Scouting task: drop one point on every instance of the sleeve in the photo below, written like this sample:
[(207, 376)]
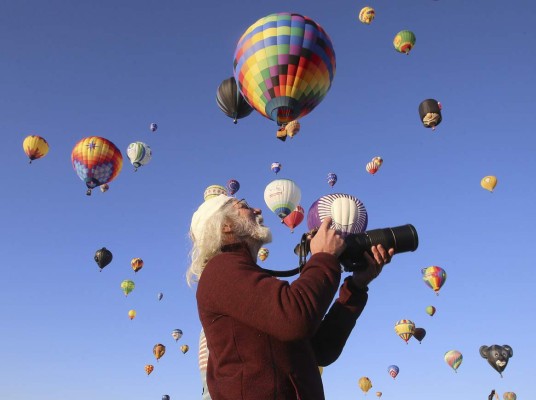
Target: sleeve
[(234, 285), (338, 323)]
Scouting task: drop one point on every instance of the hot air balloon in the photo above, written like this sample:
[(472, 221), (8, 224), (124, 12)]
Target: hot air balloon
[(453, 358), (294, 218), (372, 167), (103, 257), (127, 286), (282, 196), (136, 264), (393, 370), (284, 65), (430, 310), (419, 334), (153, 127), (104, 188), (489, 182), (132, 314), (231, 101), (35, 147), (176, 334), (509, 396), (378, 161), (139, 154), (366, 15), (434, 277), (276, 167), (159, 350), (497, 356), (96, 161), (405, 328), (292, 128), (165, 397), (379, 394), (404, 41), (263, 253), (347, 212), (365, 384), (149, 368), (233, 186), (332, 179), (214, 191), (185, 348), (160, 296), (430, 113)]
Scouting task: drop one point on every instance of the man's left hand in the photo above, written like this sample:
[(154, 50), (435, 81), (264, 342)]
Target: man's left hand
[(373, 265)]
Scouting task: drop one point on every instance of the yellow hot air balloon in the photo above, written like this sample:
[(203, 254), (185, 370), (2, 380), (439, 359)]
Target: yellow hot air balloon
[(159, 350), (378, 161), (35, 147), (149, 368), (365, 384), (136, 264), (489, 182), (292, 128), (132, 314), (379, 394), (263, 253), (405, 329), (185, 348), (366, 15), (430, 310)]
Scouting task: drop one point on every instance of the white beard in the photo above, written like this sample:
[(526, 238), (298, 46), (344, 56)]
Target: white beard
[(254, 233)]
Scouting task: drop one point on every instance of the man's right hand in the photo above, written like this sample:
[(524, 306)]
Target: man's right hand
[(327, 240)]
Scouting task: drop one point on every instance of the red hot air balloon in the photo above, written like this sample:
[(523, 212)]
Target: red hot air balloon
[(294, 218)]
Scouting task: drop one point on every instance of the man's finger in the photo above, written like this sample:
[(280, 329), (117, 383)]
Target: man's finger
[(326, 223)]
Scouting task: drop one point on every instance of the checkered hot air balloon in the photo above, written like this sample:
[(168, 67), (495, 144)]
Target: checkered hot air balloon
[(284, 65), (96, 161)]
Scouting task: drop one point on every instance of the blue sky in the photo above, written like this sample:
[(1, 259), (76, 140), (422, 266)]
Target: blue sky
[(110, 68)]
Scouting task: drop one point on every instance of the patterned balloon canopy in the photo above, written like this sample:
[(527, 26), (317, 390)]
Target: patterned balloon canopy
[(282, 196), (404, 41), (393, 370), (454, 359), (405, 328), (35, 147), (284, 65), (96, 161), (434, 277)]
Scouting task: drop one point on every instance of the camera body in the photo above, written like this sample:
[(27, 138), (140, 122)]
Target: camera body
[(401, 238)]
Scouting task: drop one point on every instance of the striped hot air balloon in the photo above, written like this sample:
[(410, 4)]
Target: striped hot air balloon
[(434, 277), (284, 65), (405, 328), (454, 359)]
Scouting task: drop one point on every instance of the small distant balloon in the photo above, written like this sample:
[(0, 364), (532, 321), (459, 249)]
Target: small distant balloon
[(393, 370), (104, 187), (378, 161), (160, 296), (127, 286), (454, 359), (263, 253), (497, 356), (509, 396), (159, 350), (430, 310), (294, 218), (149, 368), (214, 191), (139, 154), (35, 147), (136, 264), (153, 127), (366, 15), (419, 334), (372, 167), (282, 196), (365, 384), (379, 394), (292, 128), (166, 397), (132, 314), (185, 348), (489, 182), (276, 167), (430, 113), (332, 179), (103, 257), (405, 328), (176, 334), (404, 41), (434, 277), (233, 186)]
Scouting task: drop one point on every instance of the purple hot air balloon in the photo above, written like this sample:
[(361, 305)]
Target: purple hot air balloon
[(347, 212), (233, 186), (332, 179)]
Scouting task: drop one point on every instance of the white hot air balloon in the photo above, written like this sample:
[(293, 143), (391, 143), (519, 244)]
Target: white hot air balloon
[(282, 196), (139, 154)]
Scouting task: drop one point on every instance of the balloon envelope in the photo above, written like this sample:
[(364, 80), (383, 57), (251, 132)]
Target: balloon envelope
[(136, 264), (366, 15), (434, 277), (405, 328), (332, 179), (231, 101), (139, 154), (153, 127), (276, 167), (103, 257), (214, 191), (454, 359), (393, 370), (430, 113), (149, 368), (159, 350), (35, 147), (489, 182), (348, 213), (509, 396), (430, 310), (404, 41), (263, 253), (127, 286), (284, 65), (419, 334), (132, 314), (176, 334), (185, 348), (233, 186), (282, 196), (365, 384), (294, 218)]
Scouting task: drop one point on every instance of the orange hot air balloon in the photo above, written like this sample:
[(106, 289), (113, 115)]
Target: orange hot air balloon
[(132, 314), (372, 167), (35, 147), (365, 384), (294, 218), (159, 350), (136, 264), (149, 368)]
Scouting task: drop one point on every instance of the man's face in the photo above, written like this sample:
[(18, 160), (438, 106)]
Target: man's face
[(248, 223)]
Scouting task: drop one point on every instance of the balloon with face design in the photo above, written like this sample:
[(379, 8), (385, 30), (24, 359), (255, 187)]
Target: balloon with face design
[(497, 356)]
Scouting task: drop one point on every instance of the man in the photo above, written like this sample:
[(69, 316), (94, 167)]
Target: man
[(266, 337)]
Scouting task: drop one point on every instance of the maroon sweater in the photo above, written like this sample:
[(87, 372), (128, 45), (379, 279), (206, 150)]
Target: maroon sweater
[(266, 337)]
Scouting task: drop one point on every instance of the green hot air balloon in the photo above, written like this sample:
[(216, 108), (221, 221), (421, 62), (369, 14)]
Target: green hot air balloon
[(404, 41), (127, 286)]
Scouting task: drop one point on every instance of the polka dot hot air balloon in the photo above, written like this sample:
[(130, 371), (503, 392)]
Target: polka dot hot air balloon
[(35, 147), (404, 41), (348, 213), (282, 196), (149, 368), (284, 65), (96, 161), (434, 277)]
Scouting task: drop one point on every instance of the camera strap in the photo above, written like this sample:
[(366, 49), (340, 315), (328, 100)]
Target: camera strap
[(303, 250)]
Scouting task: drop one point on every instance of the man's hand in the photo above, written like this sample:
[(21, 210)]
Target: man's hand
[(327, 240), (373, 265)]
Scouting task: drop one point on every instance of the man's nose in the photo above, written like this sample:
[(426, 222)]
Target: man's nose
[(257, 211)]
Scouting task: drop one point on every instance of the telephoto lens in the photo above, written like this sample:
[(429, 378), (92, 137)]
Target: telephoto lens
[(401, 238)]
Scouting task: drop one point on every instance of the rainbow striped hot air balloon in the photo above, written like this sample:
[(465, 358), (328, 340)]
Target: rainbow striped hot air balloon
[(404, 41), (434, 277), (453, 358), (35, 147), (284, 65), (96, 161)]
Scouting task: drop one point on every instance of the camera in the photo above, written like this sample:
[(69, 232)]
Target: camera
[(402, 238)]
